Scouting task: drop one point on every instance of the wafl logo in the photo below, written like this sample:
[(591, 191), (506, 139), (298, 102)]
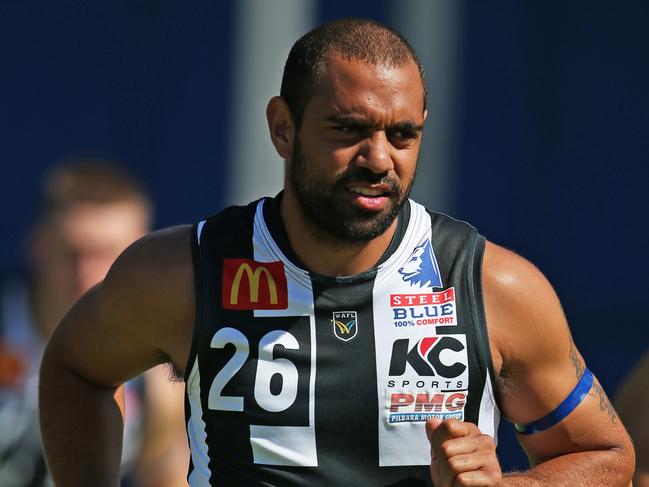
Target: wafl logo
[(345, 325), (422, 269)]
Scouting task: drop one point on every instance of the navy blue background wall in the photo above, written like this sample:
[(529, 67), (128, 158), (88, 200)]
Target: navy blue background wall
[(554, 149), (550, 155)]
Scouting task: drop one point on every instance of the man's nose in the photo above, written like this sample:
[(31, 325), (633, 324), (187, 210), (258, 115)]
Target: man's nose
[(375, 153)]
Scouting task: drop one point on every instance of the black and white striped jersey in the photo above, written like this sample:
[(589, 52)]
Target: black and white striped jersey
[(296, 379)]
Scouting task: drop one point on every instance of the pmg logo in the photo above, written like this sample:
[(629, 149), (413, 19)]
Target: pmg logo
[(422, 269), (427, 358), (248, 284), (418, 407)]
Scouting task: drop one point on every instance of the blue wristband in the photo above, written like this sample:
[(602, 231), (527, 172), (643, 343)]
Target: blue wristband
[(564, 409)]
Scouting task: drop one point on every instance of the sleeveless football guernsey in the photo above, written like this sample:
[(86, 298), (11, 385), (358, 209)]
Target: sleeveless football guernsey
[(296, 379)]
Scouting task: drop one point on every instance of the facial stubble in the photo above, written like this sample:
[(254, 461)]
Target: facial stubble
[(334, 217)]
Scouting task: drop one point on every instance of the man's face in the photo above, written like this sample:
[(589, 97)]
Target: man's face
[(75, 248), (355, 155)]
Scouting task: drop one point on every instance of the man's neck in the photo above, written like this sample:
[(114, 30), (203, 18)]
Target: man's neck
[(323, 254)]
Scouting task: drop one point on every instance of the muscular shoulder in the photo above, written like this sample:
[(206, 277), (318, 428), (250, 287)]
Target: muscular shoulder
[(524, 317), (538, 364), (164, 254), (151, 286)]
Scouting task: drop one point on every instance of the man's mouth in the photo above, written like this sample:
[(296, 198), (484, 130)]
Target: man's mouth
[(374, 198), (364, 191)]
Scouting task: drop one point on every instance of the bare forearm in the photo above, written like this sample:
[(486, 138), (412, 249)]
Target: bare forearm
[(608, 468), (81, 425)]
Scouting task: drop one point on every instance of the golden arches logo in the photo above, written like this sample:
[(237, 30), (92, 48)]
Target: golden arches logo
[(266, 286), (253, 284)]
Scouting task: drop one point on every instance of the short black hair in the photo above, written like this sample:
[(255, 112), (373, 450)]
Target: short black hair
[(352, 38)]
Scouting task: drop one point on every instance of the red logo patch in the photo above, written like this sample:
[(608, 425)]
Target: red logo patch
[(248, 284)]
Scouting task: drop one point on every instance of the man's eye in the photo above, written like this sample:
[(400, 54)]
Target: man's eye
[(349, 129), (404, 134)]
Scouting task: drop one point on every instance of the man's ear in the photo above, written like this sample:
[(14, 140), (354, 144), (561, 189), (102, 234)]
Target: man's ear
[(281, 126)]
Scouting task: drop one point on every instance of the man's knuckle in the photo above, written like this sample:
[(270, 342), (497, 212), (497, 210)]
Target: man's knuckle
[(445, 450), (454, 426), (464, 479), (485, 442), (456, 463)]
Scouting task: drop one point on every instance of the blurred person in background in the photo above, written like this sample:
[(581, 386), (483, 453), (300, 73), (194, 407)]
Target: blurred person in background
[(632, 402), (90, 211)]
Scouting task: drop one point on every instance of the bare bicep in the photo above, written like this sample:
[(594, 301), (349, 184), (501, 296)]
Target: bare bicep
[(539, 364), (139, 316), (100, 347)]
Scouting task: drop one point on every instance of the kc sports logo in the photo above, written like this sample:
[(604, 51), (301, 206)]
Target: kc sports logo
[(422, 269), (248, 284), (430, 356), (428, 377), (345, 325)]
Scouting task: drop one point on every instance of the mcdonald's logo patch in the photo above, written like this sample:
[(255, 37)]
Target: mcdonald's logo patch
[(248, 284)]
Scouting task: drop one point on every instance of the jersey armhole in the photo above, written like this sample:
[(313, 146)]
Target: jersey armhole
[(199, 299), (477, 245)]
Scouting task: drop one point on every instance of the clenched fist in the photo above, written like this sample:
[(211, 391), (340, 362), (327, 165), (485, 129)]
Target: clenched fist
[(462, 455)]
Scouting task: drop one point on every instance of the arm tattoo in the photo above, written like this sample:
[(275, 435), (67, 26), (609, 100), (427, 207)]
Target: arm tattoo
[(576, 363), (595, 391), (604, 404)]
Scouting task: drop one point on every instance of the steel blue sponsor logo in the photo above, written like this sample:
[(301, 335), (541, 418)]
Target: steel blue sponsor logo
[(422, 269), (345, 325)]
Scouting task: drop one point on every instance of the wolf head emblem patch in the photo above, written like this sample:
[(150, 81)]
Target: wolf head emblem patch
[(422, 269)]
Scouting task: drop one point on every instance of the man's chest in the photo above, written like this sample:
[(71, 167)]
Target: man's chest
[(339, 369)]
